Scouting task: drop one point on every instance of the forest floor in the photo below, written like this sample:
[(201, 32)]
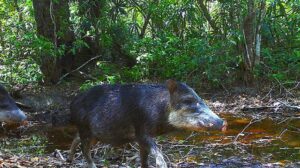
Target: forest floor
[(263, 131)]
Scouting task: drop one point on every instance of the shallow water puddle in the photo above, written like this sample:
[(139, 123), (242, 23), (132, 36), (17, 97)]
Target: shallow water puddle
[(60, 138), (267, 140)]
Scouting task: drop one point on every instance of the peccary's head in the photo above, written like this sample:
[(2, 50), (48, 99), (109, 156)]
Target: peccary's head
[(189, 111), (9, 112)]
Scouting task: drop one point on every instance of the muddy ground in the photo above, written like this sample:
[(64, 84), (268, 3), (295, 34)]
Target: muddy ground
[(264, 131)]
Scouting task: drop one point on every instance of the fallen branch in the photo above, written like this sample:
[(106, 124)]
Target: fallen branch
[(290, 106), (258, 108), (281, 105), (24, 106), (87, 75), (284, 88), (59, 155), (247, 126), (81, 66)]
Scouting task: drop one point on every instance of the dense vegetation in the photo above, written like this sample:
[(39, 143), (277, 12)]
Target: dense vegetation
[(215, 43)]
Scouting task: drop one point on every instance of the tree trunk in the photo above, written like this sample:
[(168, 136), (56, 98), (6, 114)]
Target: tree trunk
[(146, 22), (147, 18), (252, 37), (249, 31), (52, 19), (20, 15), (262, 13), (2, 44), (207, 16), (249, 34)]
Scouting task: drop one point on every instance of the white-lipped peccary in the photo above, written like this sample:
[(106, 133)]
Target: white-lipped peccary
[(118, 114)]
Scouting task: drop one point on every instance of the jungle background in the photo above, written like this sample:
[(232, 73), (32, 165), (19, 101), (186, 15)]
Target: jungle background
[(235, 52)]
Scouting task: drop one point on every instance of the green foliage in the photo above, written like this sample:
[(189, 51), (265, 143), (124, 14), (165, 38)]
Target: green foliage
[(190, 60), (35, 144), (22, 72), (88, 84), (109, 73), (178, 41), (17, 61), (106, 73), (282, 66)]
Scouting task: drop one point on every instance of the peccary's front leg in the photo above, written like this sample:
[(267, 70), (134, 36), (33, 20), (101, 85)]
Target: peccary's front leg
[(148, 145)]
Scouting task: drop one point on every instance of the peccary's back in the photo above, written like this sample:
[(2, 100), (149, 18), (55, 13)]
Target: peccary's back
[(120, 109)]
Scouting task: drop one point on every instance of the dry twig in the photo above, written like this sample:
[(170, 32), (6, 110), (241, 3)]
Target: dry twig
[(81, 66)]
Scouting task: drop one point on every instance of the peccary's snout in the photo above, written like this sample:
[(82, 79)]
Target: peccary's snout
[(219, 124), (18, 115), (9, 111), (211, 120), (14, 116)]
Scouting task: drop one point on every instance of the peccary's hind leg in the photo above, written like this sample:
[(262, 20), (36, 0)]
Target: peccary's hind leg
[(86, 150), (73, 147)]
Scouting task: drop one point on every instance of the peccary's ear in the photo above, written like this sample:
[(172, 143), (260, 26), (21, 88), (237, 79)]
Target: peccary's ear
[(171, 85)]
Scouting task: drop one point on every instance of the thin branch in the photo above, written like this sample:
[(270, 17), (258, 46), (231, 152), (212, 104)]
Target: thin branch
[(60, 155), (207, 16), (248, 125), (87, 62), (282, 86), (53, 22), (140, 9), (258, 108), (295, 87), (248, 60), (270, 91), (290, 106), (146, 22), (281, 105)]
